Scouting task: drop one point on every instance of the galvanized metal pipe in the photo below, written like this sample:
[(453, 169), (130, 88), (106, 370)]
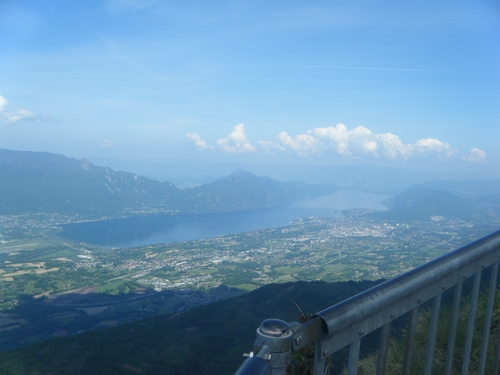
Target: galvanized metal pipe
[(345, 323), (383, 348), (489, 315), (431, 343), (470, 324), (453, 329), (319, 359), (352, 366), (382, 296), (410, 339)]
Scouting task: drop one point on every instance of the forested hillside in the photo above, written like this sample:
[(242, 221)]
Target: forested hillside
[(33, 182), (206, 340)]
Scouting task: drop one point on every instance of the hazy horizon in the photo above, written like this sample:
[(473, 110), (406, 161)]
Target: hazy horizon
[(173, 90)]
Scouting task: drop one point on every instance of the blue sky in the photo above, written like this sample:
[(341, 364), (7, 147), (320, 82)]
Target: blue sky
[(147, 84)]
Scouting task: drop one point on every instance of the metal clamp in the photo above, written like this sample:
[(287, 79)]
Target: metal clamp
[(275, 336)]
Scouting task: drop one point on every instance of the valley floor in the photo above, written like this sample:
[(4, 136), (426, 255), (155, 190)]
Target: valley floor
[(51, 287)]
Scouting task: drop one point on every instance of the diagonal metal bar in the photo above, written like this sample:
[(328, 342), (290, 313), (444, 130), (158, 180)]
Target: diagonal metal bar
[(489, 314), (471, 323), (453, 329)]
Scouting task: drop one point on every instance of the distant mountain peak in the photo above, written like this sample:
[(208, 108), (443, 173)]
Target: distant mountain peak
[(242, 172), (239, 175), (423, 204), (44, 182)]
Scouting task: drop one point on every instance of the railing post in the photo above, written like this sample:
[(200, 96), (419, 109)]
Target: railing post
[(344, 323), (319, 359), (410, 337), (276, 335)]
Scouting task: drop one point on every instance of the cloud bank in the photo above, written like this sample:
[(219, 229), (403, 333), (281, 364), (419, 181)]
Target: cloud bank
[(338, 140), (12, 116), (199, 143), (476, 155), (236, 141)]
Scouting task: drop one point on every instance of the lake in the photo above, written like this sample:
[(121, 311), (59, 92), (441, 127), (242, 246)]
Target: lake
[(150, 230)]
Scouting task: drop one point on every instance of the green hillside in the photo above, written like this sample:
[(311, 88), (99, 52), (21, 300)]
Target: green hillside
[(244, 191), (205, 340), (420, 204), (44, 182), (32, 182)]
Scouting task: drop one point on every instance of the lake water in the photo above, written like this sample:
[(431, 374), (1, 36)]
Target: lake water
[(149, 230)]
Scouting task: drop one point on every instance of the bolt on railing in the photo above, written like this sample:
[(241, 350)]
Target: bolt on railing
[(346, 323)]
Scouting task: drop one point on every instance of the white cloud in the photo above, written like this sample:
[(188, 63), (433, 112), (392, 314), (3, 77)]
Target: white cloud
[(17, 115), (11, 117), (339, 140), (108, 143), (270, 146), (391, 147), (362, 140), (236, 141), (334, 138), (476, 155), (433, 146), (302, 144), (356, 143), (3, 103), (199, 143)]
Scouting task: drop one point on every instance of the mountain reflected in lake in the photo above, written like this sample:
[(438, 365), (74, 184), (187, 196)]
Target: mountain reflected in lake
[(150, 230)]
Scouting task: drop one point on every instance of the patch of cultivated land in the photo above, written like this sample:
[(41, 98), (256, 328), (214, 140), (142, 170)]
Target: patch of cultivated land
[(80, 287)]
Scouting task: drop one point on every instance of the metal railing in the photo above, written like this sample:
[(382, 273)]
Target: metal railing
[(346, 323)]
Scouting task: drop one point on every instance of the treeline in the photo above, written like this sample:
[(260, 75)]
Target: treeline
[(205, 340)]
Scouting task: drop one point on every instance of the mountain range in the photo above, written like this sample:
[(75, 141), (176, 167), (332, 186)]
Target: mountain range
[(208, 339), (448, 199), (33, 182)]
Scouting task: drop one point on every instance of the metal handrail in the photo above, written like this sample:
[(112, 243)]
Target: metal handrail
[(347, 322)]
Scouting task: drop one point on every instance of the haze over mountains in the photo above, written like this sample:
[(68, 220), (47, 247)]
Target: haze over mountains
[(449, 199), (32, 182), (208, 339), (44, 182)]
